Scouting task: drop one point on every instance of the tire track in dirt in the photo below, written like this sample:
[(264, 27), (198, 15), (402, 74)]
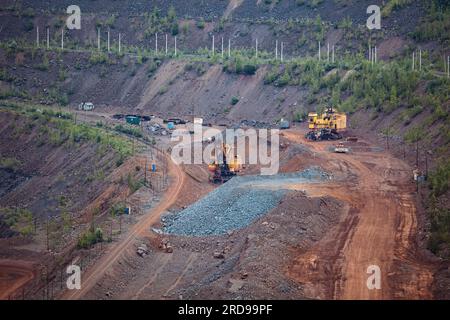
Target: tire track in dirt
[(13, 275), (382, 226), (107, 261)]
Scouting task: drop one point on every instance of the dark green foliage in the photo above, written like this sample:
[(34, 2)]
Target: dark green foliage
[(90, 237)]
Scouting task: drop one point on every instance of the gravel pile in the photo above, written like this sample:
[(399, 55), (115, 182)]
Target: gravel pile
[(235, 204)]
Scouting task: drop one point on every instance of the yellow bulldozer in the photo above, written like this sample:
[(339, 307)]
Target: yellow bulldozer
[(326, 126)]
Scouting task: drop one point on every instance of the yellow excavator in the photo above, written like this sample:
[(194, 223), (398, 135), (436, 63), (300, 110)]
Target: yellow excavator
[(326, 126), (222, 172)]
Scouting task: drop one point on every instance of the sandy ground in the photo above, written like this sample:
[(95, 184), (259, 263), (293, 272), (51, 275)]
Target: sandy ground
[(380, 229), (13, 275), (373, 221)]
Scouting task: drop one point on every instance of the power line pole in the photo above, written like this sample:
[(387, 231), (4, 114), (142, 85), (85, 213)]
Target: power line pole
[(166, 45), (417, 151), (109, 48), (276, 49), (281, 53), (448, 66), (333, 60), (98, 39), (420, 60), (175, 46), (328, 52), (320, 53), (62, 39), (256, 48), (387, 136), (156, 43), (48, 38), (222, 48), (37, 37), (229, 48), (120, 42), (213, 45)]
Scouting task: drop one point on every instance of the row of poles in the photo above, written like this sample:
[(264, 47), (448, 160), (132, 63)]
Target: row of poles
[(417, 62), (279, 46), (279, 49)]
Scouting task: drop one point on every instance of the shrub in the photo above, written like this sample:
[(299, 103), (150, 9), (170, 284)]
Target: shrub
[(249, 69), (175, 29), (234, 100), (200, 23), (10, 164), (98, 58), (439, 179), (90, 237)]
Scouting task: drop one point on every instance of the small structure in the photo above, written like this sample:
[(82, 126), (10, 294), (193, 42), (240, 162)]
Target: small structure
[(341, 148), (133, 120), (86, 106), (284, 124), (198, 121), (171, 126)]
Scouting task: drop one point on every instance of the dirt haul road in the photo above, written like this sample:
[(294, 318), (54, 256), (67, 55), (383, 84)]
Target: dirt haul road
[(107, 261), (13, 275), (380, 229)]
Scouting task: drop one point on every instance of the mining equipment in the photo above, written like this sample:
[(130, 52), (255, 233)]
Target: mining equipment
[(341, 148), (222, 172), (326, 126)]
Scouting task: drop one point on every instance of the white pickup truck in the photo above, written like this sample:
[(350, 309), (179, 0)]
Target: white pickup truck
[(341, 148), (86, 106)]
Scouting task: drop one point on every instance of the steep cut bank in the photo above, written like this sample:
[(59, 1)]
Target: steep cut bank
[(57, 180)]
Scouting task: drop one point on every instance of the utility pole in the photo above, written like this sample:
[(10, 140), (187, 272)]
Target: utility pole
[(213, 45), (98, 39), (320, 52), (276, 49), (413, 61), (62, 39), (175, 46), (448, 66), (229, 48), (37, 37), (387, 136), (156, 43), (420, 60), (48, 38), (370, 53), (328, 52), (281, 53), (109, 48), (145, 170), (417, 151), (333, 55), (166, 45), (375, 55), (222, 48), (256, 48), (47, 233), (120, 43)]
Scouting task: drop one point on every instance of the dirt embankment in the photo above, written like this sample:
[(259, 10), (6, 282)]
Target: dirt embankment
[(62, 184), (380, 229)]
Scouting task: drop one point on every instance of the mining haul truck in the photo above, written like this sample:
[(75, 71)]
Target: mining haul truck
[(326, 126)]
